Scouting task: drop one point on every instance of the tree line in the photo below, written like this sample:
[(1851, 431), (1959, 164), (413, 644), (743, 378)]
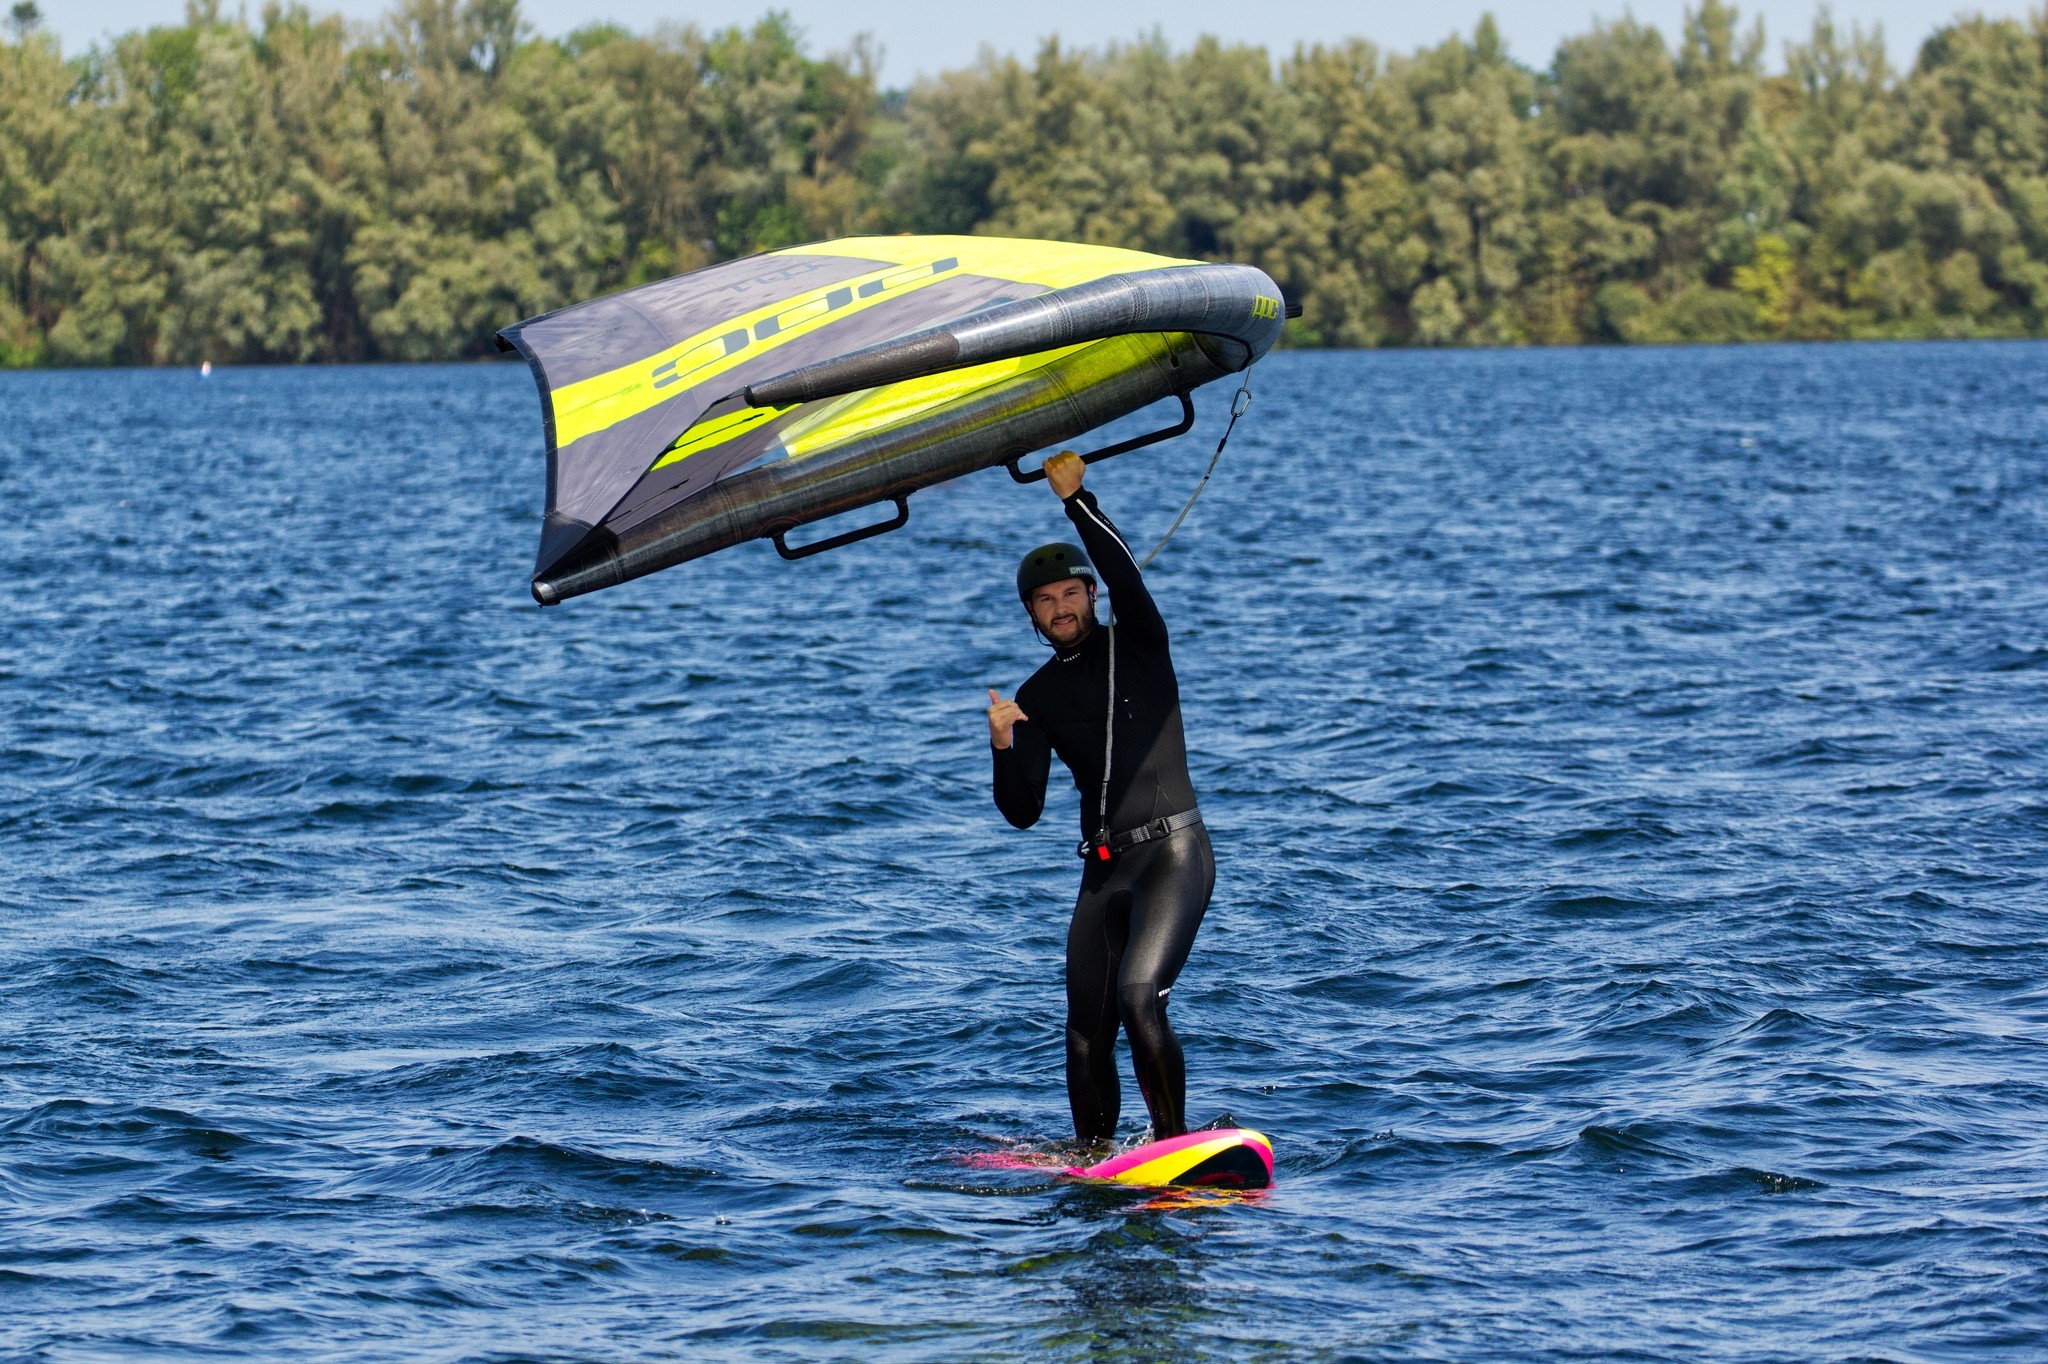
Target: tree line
[(303, 189)]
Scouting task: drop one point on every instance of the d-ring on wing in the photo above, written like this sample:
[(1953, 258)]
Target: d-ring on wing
[(739, 401)]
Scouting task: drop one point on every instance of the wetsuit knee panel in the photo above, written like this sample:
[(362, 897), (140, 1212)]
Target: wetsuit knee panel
[(1085, 1041), (1139, 1002)]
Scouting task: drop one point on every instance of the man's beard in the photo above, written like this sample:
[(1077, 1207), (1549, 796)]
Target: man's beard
[(1087, 624)]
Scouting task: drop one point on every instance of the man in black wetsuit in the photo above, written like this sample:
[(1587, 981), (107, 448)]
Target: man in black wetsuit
[(1149, 869)]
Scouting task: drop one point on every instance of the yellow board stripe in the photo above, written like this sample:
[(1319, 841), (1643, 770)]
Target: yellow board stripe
[(1169, 1167)]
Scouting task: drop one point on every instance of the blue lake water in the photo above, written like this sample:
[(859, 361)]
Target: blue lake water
[(1627, 776)]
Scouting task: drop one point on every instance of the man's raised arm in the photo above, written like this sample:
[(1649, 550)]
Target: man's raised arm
[(1113, 560)]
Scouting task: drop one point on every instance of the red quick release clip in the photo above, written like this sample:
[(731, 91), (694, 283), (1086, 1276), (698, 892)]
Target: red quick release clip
[(1102, 852)]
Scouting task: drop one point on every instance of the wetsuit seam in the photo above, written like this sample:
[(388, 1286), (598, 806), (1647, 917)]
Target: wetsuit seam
[(1109, 530)]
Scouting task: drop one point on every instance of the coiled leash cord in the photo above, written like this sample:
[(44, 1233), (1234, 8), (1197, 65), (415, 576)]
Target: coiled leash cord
[(1108, 751)]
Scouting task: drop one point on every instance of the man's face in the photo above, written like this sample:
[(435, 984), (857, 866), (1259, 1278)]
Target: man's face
[(1064, 611)]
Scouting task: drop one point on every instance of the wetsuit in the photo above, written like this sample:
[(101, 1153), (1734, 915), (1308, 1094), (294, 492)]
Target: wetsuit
[(1137, 914)]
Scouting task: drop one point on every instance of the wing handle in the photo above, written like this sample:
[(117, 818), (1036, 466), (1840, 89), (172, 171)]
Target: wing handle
[(1180, 428), (900, 520)]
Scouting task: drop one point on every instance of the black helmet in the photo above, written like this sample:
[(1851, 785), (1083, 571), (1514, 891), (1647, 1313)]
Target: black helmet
[(1050, 564)]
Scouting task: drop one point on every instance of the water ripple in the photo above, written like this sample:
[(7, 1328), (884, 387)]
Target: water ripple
[(1625, 768)]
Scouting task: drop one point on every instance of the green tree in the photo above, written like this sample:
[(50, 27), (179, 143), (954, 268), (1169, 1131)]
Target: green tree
[(298, 189)]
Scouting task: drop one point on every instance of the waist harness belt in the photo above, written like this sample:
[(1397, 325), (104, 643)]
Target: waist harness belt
[(1117, 844)]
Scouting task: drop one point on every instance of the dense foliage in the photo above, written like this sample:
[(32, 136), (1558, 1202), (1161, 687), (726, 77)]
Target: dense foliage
[(302, 189)]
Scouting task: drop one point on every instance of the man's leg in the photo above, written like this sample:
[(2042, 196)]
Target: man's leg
[(1095, 941), (1168, 901)]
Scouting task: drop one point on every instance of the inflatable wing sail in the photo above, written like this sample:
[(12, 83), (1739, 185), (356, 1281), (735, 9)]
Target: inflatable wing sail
[(743, 400)]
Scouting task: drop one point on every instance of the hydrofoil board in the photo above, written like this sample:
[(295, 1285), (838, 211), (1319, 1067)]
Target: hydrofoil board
[(1222, 1158)]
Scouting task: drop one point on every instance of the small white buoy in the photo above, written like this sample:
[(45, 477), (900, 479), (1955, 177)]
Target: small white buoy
[(206, 369)]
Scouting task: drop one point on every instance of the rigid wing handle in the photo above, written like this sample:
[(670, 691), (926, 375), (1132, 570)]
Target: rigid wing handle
[(900, 520), (1180, 428)]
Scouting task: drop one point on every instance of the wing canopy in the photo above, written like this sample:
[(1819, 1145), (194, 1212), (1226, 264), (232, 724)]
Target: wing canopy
[(653, 395)]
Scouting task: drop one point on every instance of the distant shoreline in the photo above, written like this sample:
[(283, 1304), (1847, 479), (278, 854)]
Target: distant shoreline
[(324, 192)]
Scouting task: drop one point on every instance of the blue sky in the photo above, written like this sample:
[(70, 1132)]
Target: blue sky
[(919, 36)]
